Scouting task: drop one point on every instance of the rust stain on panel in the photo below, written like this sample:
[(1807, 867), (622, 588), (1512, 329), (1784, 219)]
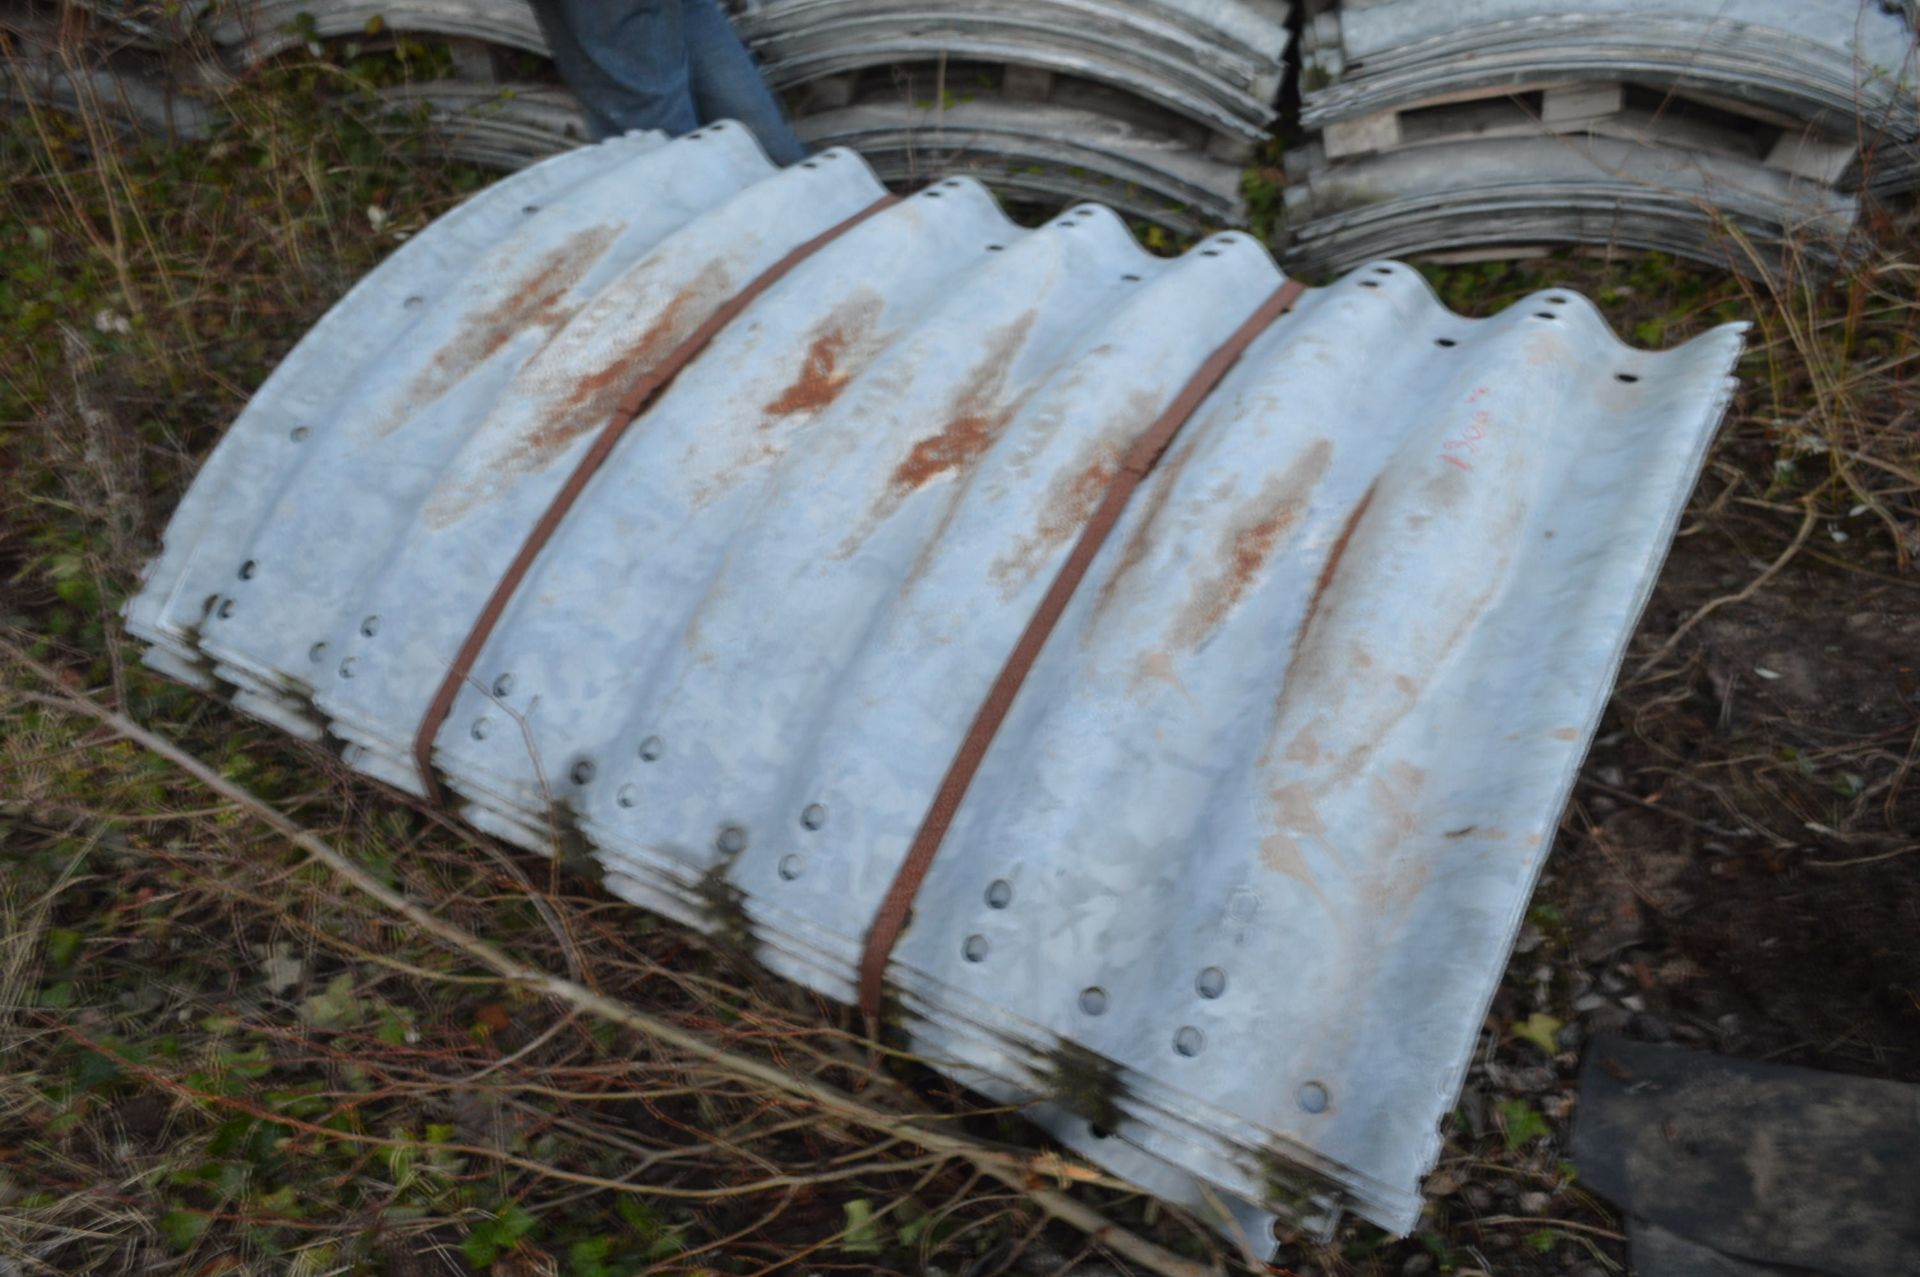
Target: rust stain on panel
[(837, 353), (1156, 667), (1074, 494), (596, 395), (590, 402), (1566, 733), (1293, 815), (975, 419), (532, 301), (1159, 487), (1282, 854), (831, 360), (1331, 569), (1247, 544), (1294, 809)]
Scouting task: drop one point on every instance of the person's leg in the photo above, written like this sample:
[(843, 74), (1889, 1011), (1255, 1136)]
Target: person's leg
[(727, 85), (626, 60)]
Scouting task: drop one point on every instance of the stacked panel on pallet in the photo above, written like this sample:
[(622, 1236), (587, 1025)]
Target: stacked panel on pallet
[(126, 84), (1150, 105), (1222, 912), (1084, 141), (1734, 131)]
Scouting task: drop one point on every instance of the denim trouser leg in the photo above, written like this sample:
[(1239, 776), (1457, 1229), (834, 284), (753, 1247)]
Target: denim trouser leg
[(661, 64), (626, 60), (727, 85)]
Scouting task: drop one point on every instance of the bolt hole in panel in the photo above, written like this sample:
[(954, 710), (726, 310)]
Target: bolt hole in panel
[(1312, 712)]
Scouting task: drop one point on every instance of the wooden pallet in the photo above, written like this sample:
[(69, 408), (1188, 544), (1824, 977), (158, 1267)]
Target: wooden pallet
[(1033, 84), (1689, 120)]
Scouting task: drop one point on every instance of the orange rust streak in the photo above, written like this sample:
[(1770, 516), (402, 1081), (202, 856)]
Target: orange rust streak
[(976, 420), (1071, 503), (1332, 568), (961, 443), (591, 400), (817, 386), (1248, 544), (976, 417), (595, 395), (1138, 545), (533, 301), (1076, 493), (1251, 547)]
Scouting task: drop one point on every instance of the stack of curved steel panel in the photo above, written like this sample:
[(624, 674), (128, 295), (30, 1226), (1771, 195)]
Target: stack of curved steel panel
[(255, 30), (1039, 151), (1217, 61), (502, 126), (1200, 77), (1026, 94), (126, 88), (1829, 63), (1237, 876), (1726, 130)]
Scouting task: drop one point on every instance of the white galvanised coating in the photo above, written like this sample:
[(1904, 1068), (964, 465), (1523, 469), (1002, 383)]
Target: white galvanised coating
[(1182, 65), (1723, 209), (1141, 171), (1848, 65), (1240, 872)]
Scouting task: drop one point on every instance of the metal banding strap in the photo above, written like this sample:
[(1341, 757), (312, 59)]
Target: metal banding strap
[(891, 918), (631, 404)]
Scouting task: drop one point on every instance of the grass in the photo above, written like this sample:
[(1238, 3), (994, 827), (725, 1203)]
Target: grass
[(223, 1056)]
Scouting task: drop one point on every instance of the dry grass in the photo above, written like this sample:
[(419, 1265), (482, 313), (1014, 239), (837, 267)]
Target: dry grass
[(222, 1058)]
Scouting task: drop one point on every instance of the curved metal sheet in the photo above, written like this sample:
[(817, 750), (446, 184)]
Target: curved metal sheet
[(1594, 190), (1124, 38), (506, 126), (792, 60), (1238, 877), (256, 30), (1060, 153), (125, 90), (1828, 62), (1252, 30)]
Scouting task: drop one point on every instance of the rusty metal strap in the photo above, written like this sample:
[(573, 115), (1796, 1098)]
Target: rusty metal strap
[(629, 408), (891, 918)]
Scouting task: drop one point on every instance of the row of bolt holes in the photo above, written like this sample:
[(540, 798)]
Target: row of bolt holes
[(732, 840), (1187, 1040), (1538, 314)]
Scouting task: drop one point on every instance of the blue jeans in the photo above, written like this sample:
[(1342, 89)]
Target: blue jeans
[(671, 65)]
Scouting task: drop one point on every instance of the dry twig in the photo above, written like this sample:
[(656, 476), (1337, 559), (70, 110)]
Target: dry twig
[(1012, 1169)]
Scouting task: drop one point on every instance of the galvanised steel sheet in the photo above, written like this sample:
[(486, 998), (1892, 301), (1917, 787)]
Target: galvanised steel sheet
[(1228, 898), (1849, 66), (1723, 209), (1188, 70), (1056, 151)]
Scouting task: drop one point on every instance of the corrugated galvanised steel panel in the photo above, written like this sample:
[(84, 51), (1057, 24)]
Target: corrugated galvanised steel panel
[(506, 126), (1126, 46), (1724, 209), (1228, 898), (1039, 148), (1843, 64), (255, 30)]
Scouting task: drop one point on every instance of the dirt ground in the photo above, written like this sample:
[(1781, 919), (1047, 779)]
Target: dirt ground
[(1737, 870)]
